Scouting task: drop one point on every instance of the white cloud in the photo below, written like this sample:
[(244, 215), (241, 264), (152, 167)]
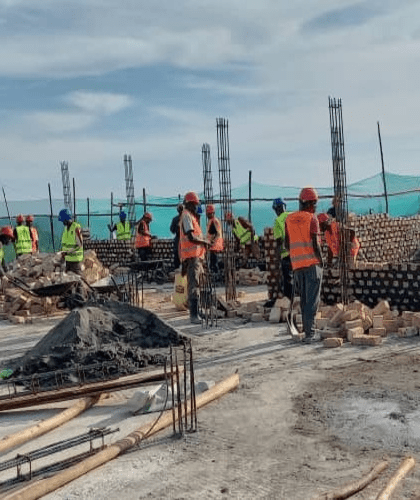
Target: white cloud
[(58, 122), (99, 103)]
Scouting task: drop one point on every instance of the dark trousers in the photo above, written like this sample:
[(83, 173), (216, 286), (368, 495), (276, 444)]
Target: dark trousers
[(177, 261), (144, 253), (308, 281), (214, 262), (287, 273)]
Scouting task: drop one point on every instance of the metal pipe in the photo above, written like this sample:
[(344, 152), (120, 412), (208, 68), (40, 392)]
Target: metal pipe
[(173, 390), (88, 213), (383, 170), (7, 207), (51, 218), (249, 195), (74, 199)]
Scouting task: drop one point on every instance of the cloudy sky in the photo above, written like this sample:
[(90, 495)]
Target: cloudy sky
[(87, 81)]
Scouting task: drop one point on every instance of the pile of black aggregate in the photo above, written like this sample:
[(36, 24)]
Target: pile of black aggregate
[(97, 342)]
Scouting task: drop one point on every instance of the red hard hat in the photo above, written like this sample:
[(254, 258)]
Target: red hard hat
[(322, 218), (308, 194), (210, 209), (192, 197), (29, 218), (20, 218), (228, 216), (7, 231), (148, 215)]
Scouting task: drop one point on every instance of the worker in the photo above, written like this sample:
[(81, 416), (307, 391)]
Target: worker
[(332, 211), (192, 251), (279, 232), (215, 237), (22, 237), (6, 237), (123, 227), (331, 231), (354, 247), (175, 230), (244, 234), (71, 242), (143, 241), (302, 241), (34, 233)]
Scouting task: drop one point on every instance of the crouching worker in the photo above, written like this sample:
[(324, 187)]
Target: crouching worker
[(71, 242), (192, 251)]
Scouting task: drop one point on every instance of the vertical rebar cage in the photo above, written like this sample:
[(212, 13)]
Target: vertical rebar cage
[(129, 189), (207, 175), (226, 206), (66, 186), (340, 191)]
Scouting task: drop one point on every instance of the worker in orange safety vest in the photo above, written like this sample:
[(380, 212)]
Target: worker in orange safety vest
[(215, 237), (331, 231), (302, 241), (192, 249), (143, 241)]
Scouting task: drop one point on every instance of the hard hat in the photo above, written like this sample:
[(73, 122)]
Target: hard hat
[(192, 197), (228, 216), (29, 218), (122, 215), (210, 209), (308, 194), (64, 215), (278, 202), (323, 218), (147, 215), (7, 231), (20, 218)]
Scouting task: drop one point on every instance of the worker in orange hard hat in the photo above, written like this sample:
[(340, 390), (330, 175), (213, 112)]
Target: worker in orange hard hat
[(143, 241), (215, 237), (192, 248), (22, 237), (6, 237), (34, 233), (302, 241)]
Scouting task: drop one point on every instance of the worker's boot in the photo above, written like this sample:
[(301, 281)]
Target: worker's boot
[(194, 319)]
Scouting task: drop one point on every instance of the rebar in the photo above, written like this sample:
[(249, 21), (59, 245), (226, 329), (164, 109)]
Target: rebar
[(207, 175), (129, 189), (340, 192), (178, 395), (66, 185), (173, 390), (226, 205)]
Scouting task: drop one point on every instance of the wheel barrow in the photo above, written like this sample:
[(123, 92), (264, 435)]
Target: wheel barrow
[(54, 290)]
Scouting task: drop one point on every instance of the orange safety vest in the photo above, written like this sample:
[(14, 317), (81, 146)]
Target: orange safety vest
[(34, 233), (142, 240), (332, 237), (189, 249), (218, 242), (355, 245), (302, 252)]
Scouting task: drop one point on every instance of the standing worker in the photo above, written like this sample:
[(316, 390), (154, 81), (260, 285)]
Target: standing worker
[(192, 251), (143, 241), (23, 237), (244, 234), (175, 230), (302, 241), (34, 233), (215, 237), (6, 236), (279, 207), (123, 227), (71, 242)]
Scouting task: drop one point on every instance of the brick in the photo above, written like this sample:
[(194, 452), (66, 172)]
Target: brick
[(370, 340), (351, 315), (354, 332), (275, 315), (378, 321), (353, 324), (410, 331), (321, 323), (391, 325), (381, 308), (378, 331), (333, 342)]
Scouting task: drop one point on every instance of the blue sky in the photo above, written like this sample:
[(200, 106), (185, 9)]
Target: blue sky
[(87, 81)]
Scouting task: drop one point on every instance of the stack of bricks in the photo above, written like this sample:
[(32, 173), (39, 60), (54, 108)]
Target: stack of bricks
[(272, 263)]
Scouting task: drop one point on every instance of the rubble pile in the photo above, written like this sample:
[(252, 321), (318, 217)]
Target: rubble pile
[(38, 271), (251, 277), (125, 336)]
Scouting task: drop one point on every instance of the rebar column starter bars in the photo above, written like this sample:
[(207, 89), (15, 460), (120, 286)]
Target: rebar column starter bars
[(129, 189)]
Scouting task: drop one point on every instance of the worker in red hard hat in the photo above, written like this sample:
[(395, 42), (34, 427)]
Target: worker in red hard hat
[(215, 237), (6, 237), (22, 237), (34, 233), (192, 248), (143, 241), (244, 234), (302, 241)]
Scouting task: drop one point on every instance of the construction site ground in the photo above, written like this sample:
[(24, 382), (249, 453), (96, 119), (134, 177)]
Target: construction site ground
[(304, 419)]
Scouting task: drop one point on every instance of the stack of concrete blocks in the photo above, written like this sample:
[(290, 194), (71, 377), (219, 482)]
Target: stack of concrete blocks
[(272, 263), (111, 252)]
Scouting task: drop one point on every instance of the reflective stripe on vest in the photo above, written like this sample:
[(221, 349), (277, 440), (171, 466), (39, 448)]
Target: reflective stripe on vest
[(298, 226), (189, 249), (279, 231), (143, 241), (218, 242), (332, 237), (68, 241), (123, 231), (24, 242), (34, 238)]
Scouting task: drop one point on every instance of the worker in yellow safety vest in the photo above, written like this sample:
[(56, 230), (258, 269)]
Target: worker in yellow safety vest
[(244, 234), (22, 237), (192, 249), (123, 227), (215, 237), (71, 242), (279, 233)]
